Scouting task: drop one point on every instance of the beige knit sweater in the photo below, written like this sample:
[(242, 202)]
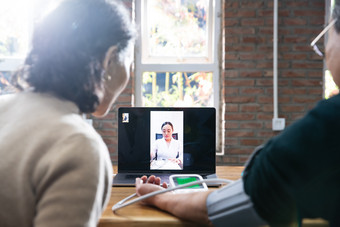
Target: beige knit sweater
[(55, 169)]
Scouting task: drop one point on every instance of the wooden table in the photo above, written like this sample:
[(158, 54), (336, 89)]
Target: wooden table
[(140, 215)]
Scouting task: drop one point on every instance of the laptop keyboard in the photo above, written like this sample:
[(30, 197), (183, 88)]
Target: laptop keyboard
[(132, 176)]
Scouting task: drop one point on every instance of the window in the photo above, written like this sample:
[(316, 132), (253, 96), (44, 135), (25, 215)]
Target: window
[(16, 26), (177, 60), (15, 29), (176, 57)]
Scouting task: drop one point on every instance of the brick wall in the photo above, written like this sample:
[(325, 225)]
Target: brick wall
[(246, 77), (248, 69)]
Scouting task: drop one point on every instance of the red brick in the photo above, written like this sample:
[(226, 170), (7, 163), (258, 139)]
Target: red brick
[(231, 125), (309, 12), (264, 64), (295, 56), (239, 116), (230, 22), (264, 82), (251, 125), (240, 13), (267, 108), (231, 56), (239, 82), (296, 3), (319, 4), (231, 73), (284, 13), (264, 116), (253, 39), (250, 108), (251, 73), (265, 99), (318, 73), (267, 134), (252, 22), (306, 83), (230, 4), (292, 108), (295, 39), (316, 21), (307, 65), (231, 91), (239, 64), (265, 13), (252, 56), (294, 21), (230, 141), (231, 108), (307, 99), (306, 31), (294, 73), (229, 159), (266, 30), (304, 47), (107, 132), (251, 142), (238, 31), (252, 4), (252, 91), (284, 99), (293, 91), (315, 91), (231, 40), (239, 99), (242, 47), (243, 159), (238, 133), (239, 150)]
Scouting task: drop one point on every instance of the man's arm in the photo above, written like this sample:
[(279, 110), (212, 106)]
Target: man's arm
[(188, 206)]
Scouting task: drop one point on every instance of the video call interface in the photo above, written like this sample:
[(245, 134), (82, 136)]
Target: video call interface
[(155, 140)]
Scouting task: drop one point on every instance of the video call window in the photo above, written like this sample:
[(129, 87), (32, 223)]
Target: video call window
[(166, 140)]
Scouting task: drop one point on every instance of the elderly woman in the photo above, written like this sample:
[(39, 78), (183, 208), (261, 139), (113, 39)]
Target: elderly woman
[(55, 169), (295, 175)]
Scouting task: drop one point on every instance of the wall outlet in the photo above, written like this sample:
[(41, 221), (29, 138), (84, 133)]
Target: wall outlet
[(278, 124)]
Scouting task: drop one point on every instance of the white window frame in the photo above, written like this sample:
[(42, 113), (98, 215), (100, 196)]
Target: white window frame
[(193, 65)]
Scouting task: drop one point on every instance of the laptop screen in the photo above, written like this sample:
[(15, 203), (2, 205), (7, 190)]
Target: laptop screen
[(174, 140)]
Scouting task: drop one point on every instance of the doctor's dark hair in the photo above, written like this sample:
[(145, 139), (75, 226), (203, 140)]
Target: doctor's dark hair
[(168, 123), (69, 46), (336, 15)]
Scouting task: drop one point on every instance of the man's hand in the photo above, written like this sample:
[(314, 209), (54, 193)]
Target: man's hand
[(145, 185), (188, 206)]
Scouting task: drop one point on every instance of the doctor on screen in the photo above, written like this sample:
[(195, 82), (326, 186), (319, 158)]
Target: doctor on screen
[(166, 153)]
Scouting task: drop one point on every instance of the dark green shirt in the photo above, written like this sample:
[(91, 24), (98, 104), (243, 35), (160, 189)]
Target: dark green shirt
[(297, 173)]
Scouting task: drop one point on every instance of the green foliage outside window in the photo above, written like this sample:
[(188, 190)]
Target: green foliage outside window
[(177, 89)]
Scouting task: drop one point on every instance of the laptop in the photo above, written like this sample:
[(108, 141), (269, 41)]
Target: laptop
[(142, 147)]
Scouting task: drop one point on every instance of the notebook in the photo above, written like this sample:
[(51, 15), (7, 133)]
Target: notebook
[(142, 149)]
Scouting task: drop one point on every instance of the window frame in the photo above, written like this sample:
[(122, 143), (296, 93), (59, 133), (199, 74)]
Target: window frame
[(212, 65)]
